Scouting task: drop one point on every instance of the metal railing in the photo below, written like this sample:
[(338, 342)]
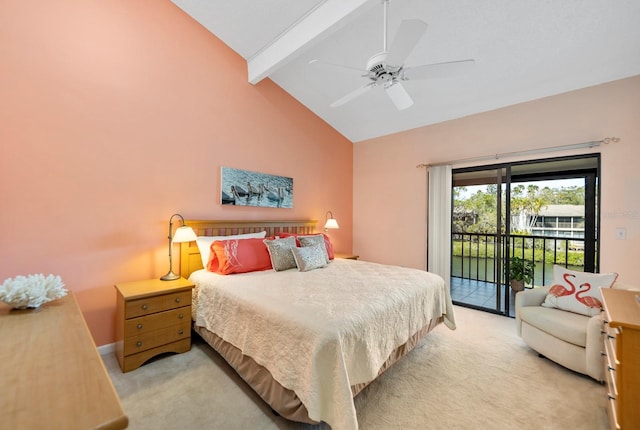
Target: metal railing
[(474, 255)]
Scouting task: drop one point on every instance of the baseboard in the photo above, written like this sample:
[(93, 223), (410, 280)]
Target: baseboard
[(109, 348)]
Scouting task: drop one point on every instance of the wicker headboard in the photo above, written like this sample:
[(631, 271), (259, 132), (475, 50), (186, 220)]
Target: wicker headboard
[(190, 260)]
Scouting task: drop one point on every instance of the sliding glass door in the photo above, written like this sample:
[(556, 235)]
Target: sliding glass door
[(537, 213), (478, 238)]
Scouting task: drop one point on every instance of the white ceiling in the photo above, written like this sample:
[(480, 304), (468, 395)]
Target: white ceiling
[(524, 50)]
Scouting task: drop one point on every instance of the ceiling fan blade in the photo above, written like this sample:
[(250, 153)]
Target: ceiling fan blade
[(439, 70), (353, 94), (399, 96), (409, 33), (327, 64)]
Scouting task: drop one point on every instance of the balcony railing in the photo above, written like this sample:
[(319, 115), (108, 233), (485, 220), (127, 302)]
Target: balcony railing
[(474, 255)]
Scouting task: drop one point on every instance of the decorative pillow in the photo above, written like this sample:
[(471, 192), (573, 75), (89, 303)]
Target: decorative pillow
[(280, 252), (314, 240), (310, 257), (578, 292), (239, 256), (327, 241), (204, 243)]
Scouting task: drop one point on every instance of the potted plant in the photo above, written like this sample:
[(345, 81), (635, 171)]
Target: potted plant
[(520, 272)]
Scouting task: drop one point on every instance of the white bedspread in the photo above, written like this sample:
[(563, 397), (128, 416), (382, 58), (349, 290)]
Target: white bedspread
[(319, 332)]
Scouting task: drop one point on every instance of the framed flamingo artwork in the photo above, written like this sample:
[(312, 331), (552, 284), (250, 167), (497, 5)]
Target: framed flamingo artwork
[(247, 188)]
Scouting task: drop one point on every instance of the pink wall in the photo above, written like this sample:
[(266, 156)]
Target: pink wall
[(396, 211), (117, 114)]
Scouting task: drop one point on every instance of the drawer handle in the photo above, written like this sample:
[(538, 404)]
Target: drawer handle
[(177, 299), (180, 316), (181, 331), (139, 326), (611, 369), (603, 354), (610, 397), (145, 307), (139, 344), (610, 337)]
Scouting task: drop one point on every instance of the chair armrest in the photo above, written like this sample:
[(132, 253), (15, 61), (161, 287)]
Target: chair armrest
[(532, 297), (595, 346)]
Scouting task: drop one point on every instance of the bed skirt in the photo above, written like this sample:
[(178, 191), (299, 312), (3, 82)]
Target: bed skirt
[(282, 400)]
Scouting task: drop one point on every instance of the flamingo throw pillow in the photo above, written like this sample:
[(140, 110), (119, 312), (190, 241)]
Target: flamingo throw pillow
[(578, 292)]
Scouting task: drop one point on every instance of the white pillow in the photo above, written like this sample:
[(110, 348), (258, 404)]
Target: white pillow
[(204, 242), (578, 292)]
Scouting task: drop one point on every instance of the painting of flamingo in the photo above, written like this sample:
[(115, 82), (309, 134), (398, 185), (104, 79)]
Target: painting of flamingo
[(560, 290), (588, 301)]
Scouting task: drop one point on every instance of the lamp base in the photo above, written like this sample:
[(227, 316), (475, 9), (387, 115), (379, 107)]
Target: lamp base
[(170, 277)]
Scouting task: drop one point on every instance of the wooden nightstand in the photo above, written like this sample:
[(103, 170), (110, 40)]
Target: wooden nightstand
[(347, 256), (152, 317)]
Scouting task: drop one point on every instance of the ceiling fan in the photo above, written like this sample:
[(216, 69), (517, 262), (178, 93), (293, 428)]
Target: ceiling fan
[(386, 69)]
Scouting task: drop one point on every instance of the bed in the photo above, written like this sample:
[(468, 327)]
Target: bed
[(309, 342)]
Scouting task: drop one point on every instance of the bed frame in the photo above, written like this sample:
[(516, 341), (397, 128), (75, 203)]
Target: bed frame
[(190, 260), (282, 400)]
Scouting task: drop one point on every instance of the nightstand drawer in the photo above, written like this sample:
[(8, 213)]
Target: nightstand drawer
[(133, 361), (148, 323), (142, 342), (150, 305)]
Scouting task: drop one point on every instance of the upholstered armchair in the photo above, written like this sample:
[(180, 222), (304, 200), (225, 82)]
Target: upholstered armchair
[(567, 338)]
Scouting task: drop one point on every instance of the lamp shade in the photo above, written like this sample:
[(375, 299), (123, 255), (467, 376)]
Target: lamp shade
[(184, 234), (331, 223)]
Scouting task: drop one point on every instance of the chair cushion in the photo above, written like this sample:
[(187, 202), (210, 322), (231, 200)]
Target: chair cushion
[(567, 326)]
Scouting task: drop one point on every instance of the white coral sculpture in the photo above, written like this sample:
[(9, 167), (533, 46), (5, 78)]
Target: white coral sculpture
[(31, 291)]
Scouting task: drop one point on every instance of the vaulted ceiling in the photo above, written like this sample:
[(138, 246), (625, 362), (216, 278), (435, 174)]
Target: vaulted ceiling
[(523, 50)]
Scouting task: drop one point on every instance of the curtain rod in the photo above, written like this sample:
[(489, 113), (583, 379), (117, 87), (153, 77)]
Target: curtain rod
[(582, 145)]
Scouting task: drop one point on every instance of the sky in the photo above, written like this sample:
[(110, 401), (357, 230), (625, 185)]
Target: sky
[(558, 183)]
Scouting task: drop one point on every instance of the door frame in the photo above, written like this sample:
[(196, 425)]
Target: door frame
[(585, 166)]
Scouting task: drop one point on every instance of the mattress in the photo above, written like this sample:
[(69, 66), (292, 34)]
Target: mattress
[(321, 335)]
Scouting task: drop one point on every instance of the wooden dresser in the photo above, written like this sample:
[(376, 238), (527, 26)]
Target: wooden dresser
[(152, 317), (51, 374), (622, 357)]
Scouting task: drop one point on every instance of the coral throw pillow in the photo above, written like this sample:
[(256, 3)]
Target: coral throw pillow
[(578, 292), (327, 241), (238, 256)]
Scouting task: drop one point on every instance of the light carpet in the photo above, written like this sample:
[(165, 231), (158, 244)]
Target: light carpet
[(480, 376)]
